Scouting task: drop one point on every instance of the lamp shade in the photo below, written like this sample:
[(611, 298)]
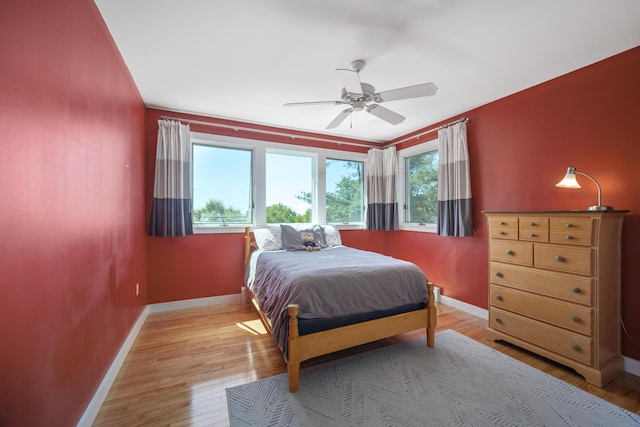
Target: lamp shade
[(569, 180)]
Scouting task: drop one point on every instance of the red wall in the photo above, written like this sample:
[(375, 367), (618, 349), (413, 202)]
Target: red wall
[(72, 199), (519, 146)]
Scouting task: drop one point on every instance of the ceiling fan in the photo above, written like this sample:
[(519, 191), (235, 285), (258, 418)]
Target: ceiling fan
[(362, 96)]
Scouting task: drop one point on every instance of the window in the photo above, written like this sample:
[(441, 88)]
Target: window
[(289, 187), (240, 182), (221, 185), (344, 191), (419, 172)]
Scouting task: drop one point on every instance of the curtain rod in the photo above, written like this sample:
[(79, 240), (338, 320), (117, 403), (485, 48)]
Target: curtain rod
[(268, 132), (464, 119), (312, 138)]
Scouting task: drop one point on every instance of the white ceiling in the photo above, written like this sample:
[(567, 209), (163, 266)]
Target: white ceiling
[(243, 59)]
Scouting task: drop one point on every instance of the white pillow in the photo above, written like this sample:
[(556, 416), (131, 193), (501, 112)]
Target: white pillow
[(332, 236), (268, 238)]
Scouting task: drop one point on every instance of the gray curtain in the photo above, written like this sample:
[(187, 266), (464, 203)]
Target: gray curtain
[(454, 184), (382, 203), (171, 210)]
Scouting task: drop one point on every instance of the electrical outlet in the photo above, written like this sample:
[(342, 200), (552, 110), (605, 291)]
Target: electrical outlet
[(137, 289)]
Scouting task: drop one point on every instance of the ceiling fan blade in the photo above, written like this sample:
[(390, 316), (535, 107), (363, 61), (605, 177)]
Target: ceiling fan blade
[(340, 118), (297, 104), (385, 114), (426, 89), (351, 80)]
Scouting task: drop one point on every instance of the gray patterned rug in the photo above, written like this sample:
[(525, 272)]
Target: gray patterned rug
[(459, 382)]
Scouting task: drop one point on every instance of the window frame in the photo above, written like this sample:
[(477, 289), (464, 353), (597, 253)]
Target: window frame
[(192, 178), (259, 150), (415, 150), (314, 177), (224, 142)]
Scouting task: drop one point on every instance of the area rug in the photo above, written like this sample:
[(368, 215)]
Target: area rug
[(458, 382)]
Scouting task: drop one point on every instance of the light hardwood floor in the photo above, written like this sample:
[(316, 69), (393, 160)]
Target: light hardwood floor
[(182, 361)]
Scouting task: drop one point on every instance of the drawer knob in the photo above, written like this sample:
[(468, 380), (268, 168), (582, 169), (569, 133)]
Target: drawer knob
[(569, 237), (498, 297), (509, 252), (576, 319), (498, 320), (498, 274), (575, 290), (568, 225), (559, 258), (502, 233), (532, 224), (576, 347), (532, 235), (501, 222)]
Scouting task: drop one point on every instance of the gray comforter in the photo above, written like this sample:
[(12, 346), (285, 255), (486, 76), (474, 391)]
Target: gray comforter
[(333, 282)]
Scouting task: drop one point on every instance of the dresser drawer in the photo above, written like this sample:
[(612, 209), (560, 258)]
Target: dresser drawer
[(504, 227), (534, 229), (569, 237), (575, 225), (559, 341), (511, 252), (508, 233), (562, 314), (563, 258), (577, 289)]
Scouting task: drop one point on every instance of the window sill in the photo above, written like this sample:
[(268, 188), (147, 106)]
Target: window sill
[(218, 229), (427, 228), (351, 226)]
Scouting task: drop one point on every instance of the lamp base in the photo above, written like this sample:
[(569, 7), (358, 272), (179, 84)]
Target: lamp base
[(600, 208)]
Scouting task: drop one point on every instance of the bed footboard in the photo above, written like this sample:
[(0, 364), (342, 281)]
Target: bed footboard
[(304, 347)]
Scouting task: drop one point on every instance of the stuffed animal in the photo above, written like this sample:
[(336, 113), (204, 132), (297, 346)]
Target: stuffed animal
[(308, 244)]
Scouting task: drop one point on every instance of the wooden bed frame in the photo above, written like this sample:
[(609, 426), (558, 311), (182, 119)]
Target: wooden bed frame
[(303, 347)]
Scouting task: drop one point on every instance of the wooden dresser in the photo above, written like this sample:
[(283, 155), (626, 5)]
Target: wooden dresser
[(554, 287)]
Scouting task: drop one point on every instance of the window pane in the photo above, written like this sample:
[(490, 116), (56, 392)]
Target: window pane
[(344, 191), (289, 189), (422, 188), (221, 185)]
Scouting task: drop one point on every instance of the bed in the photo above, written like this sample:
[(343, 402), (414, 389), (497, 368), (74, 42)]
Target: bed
[(318, 302)]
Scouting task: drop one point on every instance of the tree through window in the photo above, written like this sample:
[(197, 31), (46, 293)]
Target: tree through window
[(421, 199), (345, 191)]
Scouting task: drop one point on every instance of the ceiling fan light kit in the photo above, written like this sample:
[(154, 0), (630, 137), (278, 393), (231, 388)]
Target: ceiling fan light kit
[(363, 96)]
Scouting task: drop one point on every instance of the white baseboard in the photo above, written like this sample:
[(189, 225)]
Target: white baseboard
[(467, 308), (193, 303), (100, 395), (631, 365)]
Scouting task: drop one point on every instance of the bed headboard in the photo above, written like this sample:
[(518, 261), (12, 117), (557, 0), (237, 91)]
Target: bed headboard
[(249, 245)]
